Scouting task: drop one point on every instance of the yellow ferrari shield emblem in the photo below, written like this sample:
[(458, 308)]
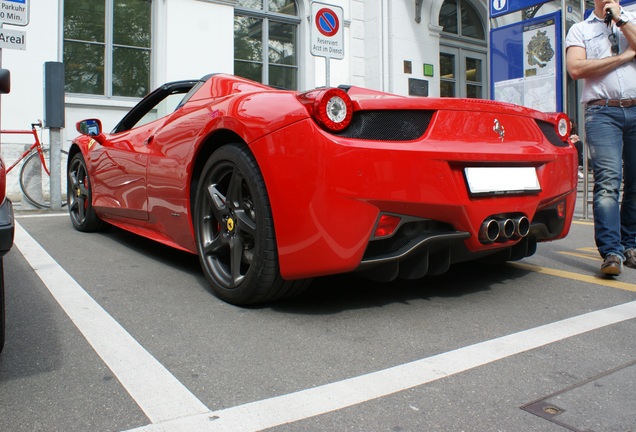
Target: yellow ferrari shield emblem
[(230, 224)]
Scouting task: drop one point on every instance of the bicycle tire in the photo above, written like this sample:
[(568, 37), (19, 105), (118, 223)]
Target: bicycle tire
[(34, 181)]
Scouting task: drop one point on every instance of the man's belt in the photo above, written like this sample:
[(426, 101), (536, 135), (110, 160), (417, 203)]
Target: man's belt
[(622, 103)]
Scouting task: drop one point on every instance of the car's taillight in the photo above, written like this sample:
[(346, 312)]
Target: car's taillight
[(562, 126), (331, 108), (561, 209), (386, 225)]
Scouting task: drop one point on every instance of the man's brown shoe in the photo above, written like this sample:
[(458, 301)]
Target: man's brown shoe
[(612, 265), (630, 258)]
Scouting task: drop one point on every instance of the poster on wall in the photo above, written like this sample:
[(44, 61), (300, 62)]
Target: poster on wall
[(526, 63), (539, 42)]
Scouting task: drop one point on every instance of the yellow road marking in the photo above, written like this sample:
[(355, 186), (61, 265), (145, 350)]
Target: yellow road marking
[(583, 222), (582, 255), (576, 276)]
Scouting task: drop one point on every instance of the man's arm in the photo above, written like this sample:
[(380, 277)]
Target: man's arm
[(628, 28), (579, 66), (629, 31)]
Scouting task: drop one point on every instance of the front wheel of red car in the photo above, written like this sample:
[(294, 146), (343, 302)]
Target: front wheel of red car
[(234, 230), (79, 196)]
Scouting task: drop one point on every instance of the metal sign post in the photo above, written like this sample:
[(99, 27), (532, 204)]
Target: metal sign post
[(54, 121), (327, 34)]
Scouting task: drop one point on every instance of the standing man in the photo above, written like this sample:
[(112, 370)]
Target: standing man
[(601, 51)]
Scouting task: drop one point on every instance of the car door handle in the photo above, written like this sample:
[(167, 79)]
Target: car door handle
[(149, 139)]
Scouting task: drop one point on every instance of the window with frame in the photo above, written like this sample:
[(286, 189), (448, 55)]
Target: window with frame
[(459, 17), (266, 42), (107, 47), (463, 51)]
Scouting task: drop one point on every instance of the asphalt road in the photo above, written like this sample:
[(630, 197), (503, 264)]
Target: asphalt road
[(111, 332)]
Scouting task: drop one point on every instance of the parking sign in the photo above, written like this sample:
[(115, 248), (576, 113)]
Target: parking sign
[(15, 12), (327, 33)]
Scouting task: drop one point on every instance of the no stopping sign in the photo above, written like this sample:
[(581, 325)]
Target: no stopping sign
[(327, 34), (327, 22)]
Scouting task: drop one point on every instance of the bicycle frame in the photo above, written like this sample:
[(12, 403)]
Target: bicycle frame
[(36, 145)]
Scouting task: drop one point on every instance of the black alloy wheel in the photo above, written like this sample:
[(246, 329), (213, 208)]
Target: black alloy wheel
[(234, 230), (79, 197)]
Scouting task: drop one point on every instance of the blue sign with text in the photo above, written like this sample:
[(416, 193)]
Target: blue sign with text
[(503, 7)]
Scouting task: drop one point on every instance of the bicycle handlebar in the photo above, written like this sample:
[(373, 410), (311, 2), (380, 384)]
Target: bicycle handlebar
[(32, 131)]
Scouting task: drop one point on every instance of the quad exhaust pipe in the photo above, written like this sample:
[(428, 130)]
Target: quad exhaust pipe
[(498, 229)]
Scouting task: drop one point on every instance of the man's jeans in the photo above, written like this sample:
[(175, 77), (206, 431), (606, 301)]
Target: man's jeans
[(611, 138)]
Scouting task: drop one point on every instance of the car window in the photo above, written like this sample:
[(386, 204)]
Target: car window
[(159, 103), (163, 108)]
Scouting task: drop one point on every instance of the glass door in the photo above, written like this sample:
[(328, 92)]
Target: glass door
[(462, 73)]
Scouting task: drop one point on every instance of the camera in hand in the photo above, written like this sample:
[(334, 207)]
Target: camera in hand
[(608, 18)]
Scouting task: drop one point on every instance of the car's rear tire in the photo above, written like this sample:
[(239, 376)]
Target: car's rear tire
[(234, 230), (79, 196)]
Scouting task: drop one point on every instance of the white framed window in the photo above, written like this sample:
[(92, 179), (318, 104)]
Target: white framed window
[(266, 41), (107, 47)]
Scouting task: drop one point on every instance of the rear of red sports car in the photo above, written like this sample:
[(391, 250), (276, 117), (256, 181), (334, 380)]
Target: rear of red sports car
[(411, 186), (272, 187)]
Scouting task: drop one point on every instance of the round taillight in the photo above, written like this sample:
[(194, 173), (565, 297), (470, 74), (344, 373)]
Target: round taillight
[(563, 126), (333, 109)]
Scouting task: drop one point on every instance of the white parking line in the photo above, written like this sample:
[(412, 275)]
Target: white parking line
[(297, 406), (157, 392), (172, 408)]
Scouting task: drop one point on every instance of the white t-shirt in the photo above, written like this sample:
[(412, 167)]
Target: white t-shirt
[(593, 35)]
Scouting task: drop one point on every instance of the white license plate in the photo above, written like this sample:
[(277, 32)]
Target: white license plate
[(502, 180)]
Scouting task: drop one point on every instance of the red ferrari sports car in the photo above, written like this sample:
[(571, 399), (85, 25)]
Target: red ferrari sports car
[(272, 187)]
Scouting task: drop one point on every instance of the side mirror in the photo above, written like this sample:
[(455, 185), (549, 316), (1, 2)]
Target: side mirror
[(5, 81), (91, 127)]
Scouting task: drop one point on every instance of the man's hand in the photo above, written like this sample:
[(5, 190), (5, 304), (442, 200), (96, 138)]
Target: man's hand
[(614, 8)]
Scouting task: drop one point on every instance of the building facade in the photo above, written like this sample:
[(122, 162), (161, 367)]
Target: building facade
[(116, 51)]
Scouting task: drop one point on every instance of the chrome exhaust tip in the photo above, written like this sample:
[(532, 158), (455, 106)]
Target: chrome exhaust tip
[(522, 226), (489, 231), (506, 229)]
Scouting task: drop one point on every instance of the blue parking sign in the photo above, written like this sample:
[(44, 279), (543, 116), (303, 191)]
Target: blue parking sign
[(14, 12)]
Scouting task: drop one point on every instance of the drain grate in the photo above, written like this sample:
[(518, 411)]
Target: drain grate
[(606, 402)]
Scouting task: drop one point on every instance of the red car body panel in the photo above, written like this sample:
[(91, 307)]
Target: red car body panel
[(326, 191), (345, 185)]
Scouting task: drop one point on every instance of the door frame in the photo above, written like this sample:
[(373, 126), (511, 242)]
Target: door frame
[(460, 53)]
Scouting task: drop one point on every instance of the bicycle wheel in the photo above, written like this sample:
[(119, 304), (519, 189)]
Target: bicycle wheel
[(35, 183)]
